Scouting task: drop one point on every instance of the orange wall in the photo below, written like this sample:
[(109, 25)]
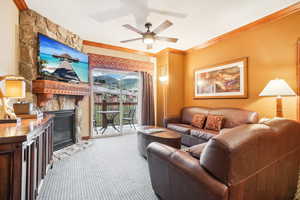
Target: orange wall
[(271, 50)]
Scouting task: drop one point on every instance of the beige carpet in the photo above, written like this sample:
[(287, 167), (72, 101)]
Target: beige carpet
[(109, 169)]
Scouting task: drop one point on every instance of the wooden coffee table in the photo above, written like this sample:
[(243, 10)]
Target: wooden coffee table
[(166, 137)]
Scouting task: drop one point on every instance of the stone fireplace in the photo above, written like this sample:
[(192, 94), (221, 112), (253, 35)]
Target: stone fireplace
[(51, 96)]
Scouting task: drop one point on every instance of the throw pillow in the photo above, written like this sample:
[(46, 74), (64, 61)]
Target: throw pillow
[(214, 122), (198, 120)]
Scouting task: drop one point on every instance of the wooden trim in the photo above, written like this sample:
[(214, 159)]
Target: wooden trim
[(245, 96), (117, 63), (21, 4), (116, 48), (298, 79), (270, 18)]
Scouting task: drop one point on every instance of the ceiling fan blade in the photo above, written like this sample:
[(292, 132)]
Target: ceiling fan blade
[(168, 13), (149, 46), (131, 40), (167, 39), (109, 15), (133, 29), (166, 24)]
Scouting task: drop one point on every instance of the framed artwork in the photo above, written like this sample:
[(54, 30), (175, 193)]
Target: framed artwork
[(226, 80)]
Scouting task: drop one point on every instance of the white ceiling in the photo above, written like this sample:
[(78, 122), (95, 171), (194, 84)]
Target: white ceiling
[(205, 19)]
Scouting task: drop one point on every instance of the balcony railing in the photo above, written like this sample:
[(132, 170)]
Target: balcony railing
[(108, 106)]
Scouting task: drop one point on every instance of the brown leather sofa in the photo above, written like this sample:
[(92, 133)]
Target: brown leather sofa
[(192, 135), (249, 162)]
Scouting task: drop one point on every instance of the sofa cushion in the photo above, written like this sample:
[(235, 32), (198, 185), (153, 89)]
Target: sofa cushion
[(198, 120), (214, 122), (196, 150), (181, 128), (233, 116), (204, 133)]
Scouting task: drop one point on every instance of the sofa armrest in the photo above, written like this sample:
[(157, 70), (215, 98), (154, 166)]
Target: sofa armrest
[(177, 175), (196, 150), (168, 120)]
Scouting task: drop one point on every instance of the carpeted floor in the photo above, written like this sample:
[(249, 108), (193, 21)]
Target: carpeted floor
[(110, 169)]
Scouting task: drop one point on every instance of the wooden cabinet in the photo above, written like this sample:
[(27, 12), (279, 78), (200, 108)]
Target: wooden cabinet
[(25, 157)]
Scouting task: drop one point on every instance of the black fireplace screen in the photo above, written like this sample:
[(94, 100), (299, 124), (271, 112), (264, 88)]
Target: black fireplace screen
[(64, 128)]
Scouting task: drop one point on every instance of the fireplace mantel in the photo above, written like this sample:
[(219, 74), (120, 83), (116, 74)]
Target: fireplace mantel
[(45, 89)]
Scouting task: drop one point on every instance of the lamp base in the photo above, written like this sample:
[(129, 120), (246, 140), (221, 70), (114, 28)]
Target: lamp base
[(279, 112), (6, 112)]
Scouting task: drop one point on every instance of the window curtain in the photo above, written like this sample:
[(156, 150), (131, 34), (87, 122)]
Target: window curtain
[(147, 99)]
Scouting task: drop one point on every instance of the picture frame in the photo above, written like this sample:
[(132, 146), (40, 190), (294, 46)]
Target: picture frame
[(226, 80)]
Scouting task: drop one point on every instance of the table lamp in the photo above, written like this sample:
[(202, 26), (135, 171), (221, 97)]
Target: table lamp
[(278, 88), (10, 87)]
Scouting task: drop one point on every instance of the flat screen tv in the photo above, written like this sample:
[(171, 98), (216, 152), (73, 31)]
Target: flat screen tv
[(60, 62)]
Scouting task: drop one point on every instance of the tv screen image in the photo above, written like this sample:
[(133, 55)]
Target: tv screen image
[(60, 62)]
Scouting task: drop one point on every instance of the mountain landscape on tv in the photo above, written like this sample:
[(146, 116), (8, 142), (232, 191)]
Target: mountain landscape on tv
[(60, 62)]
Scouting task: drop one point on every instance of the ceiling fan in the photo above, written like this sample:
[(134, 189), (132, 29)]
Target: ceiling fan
[(139, 9), (149, 37)]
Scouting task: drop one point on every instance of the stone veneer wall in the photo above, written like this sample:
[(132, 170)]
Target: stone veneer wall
[(32, 23)]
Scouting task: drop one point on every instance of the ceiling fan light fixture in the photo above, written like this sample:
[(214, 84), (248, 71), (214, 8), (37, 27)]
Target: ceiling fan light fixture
[(148, 39)]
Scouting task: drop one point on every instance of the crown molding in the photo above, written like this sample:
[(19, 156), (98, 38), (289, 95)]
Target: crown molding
[(21, 4), (116, 48), (269, 18), (171, 50)]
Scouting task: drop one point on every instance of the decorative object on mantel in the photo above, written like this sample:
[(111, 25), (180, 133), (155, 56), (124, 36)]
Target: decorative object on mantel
[(225, 80), (277, 88), (45, 89), (10, 87)]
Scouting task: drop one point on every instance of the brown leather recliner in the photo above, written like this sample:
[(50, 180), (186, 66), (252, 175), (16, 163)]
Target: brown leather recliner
[(192, 136), (249, 162)]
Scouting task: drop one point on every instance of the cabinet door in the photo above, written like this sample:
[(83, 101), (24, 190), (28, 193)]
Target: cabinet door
[(39, 160), (31, 170), (50, 139), (11, 171), (45, 152)]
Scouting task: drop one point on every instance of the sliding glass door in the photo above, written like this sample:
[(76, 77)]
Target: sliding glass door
[(115, 102)]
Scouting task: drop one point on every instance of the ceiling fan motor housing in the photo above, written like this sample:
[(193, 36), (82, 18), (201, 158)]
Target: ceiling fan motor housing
[(148, 25)]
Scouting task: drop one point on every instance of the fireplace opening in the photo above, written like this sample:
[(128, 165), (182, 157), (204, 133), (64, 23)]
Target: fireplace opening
[(64, 128)]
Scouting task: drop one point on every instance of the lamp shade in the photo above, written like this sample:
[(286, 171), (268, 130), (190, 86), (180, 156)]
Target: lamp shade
[(163, 79), (12, 87), (277, 87)]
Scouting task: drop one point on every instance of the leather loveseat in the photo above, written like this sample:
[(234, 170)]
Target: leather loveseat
[(191, 135), (249, 162)]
